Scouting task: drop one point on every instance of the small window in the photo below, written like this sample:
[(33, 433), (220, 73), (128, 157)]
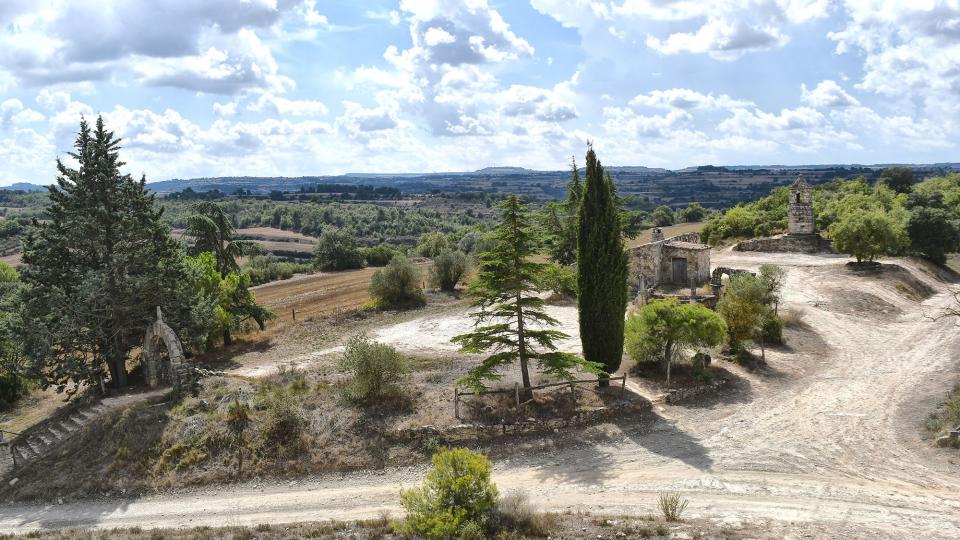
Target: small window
[(798, 197)]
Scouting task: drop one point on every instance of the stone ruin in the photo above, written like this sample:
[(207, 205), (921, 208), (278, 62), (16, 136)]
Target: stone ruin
[(677, 262), (174, 370), (802, 236)]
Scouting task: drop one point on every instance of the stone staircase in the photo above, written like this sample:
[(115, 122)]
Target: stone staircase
[(39, 439)]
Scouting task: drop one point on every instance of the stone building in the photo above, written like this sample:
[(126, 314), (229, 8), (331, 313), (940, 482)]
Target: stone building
[(678, 261), (801, 234), (800, 211)]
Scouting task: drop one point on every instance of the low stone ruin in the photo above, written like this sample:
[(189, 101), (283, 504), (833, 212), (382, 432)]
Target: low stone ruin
[(174, 370)]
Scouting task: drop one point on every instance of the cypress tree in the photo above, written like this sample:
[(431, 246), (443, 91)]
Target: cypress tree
[(601, 271), (97, 268)]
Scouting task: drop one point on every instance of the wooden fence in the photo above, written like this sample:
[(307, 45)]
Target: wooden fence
[(457, 394)]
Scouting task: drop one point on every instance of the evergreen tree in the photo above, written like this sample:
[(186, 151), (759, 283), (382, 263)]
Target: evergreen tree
[(559, 221), (97, 268), (602, 270), (511, 321)]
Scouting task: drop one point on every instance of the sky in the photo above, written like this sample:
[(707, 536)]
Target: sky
[(314, 87)]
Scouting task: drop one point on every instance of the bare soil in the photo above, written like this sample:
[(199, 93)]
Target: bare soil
[(827, 439)]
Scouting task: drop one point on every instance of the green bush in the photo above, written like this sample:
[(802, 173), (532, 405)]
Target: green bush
[(377, 371), (772, 330), (337, 250), (267, 268), (378, 255), (432, 244), (457, 491), (561, 280), (397, 285), (448, 269)]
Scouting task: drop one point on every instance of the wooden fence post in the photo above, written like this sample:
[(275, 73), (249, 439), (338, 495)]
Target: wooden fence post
[(293, 311), (516, 395), (456, 402)]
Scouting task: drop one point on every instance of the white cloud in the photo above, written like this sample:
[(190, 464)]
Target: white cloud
[(279, 106), (684, 98), (827, 94), (54, 41), (724, 29), (722, 39)]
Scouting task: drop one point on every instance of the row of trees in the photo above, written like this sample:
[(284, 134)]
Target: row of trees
[(97, 268), (511, 322)]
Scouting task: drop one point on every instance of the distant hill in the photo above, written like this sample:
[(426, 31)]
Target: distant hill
[(711, 185), (24, 186)]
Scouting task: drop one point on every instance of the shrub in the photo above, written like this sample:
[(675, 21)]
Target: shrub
[(448, 269), (378, 255), (792, 317), (662, 216), (283, 423), (561, 280), (671, 506), (432, 244), (397, 285), (515, 513), (267, 268), (377, 371), (771, 330), (337, 250), (456, 491)]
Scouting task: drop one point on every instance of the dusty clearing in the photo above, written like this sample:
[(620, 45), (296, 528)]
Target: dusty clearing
[(827, 439)]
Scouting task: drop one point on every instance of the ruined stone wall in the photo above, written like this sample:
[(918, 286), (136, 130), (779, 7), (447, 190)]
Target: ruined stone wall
[(645, 260), (652, 261), (698, 265), (808, 243)]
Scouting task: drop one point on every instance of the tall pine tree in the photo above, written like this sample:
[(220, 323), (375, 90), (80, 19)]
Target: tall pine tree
[(601, 270), (511, 322), (97, 268)]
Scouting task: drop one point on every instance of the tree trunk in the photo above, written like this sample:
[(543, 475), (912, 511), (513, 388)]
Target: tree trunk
[(667, 352), (227, 340), (522, 351), (763, 351), (118, 372)]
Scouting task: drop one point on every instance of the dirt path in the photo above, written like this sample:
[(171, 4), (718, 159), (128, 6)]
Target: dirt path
[(830, 437)]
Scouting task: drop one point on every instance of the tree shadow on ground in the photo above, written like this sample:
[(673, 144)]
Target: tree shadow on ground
[(224, 358), (736, 390), (585, 460)]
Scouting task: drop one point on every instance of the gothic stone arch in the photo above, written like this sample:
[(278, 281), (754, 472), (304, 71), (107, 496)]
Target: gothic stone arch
[(153, 366)]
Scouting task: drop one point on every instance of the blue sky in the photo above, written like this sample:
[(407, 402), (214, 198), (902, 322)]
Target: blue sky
[(308, 87)]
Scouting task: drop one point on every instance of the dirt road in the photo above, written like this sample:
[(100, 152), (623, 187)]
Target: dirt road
[(829, 433)]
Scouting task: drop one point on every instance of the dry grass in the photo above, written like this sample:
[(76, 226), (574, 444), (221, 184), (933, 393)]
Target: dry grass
[(792, 317), (32, 409)]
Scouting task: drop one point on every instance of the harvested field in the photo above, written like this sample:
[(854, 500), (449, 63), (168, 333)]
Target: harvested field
[(270, 233), (314, 295)]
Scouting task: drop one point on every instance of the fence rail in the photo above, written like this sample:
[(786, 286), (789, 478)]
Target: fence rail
[(457, 394)]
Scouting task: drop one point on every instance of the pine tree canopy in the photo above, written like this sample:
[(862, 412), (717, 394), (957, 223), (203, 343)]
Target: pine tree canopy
[(97, 268), (511, 322), (602, 269)]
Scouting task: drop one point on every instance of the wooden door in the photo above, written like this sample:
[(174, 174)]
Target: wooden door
[(679, 271)]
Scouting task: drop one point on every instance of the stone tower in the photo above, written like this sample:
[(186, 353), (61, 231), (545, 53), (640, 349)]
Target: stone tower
[(800, 211)]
